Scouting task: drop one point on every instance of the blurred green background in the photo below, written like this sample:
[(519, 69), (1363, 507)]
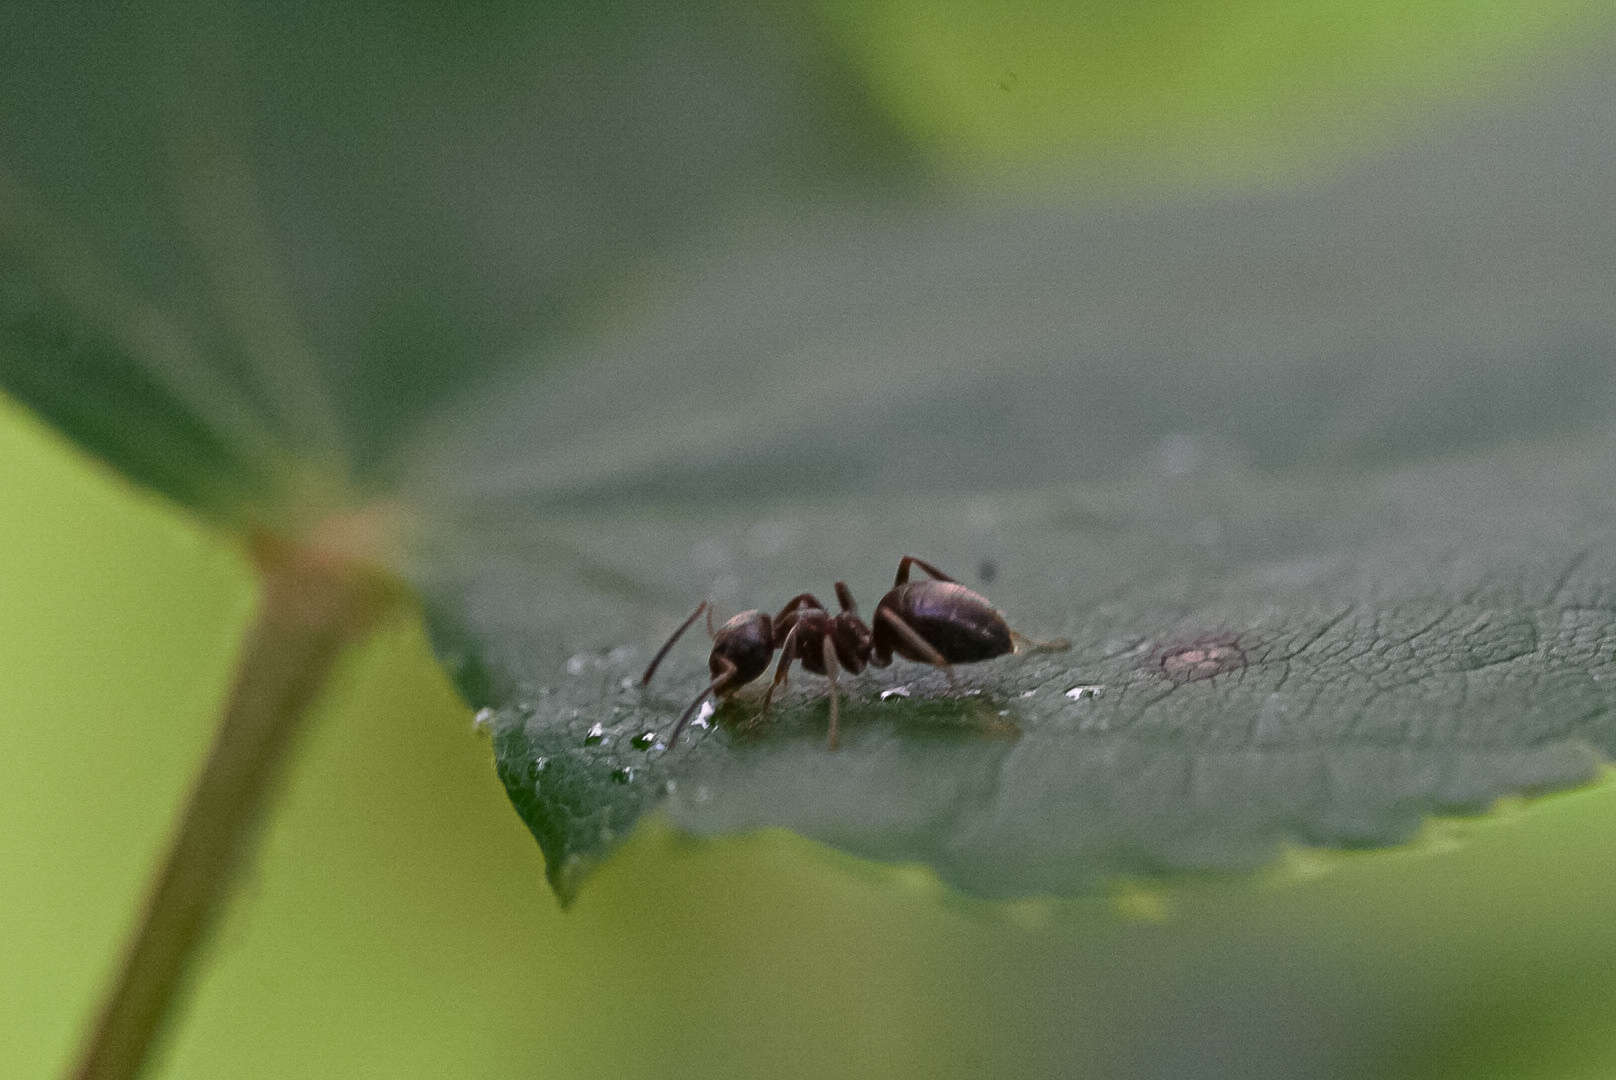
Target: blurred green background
[(397, 922)]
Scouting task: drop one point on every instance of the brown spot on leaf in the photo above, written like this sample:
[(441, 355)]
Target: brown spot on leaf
[(1203, 657)]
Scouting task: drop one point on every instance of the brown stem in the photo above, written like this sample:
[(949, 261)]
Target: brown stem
[(312, 607)]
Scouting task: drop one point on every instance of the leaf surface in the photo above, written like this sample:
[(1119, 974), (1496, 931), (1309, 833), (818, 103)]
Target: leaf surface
[(1335, 663), (306, 228), (1317, 489)]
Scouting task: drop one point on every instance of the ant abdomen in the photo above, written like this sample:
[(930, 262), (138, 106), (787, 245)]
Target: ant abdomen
[(952, 623)]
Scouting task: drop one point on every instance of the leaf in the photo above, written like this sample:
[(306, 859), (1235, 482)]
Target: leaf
[(1324, 665), (306, 230), (267, 262), (99, 394), (1316, 487)]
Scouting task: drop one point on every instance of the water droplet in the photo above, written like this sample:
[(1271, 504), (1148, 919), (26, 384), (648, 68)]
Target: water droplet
[(644, 740), (625, 775), (482, 720), (704, 715), (576, 665), (1079, 693), (596, 736), (1029, 693), (626, 682), (896, 691)]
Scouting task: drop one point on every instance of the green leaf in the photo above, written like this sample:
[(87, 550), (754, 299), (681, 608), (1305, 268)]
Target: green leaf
[(99, 394), (1317, 488), (1252, 664), (306, 228)]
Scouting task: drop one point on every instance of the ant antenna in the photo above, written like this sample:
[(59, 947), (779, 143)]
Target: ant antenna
[(677, 634)]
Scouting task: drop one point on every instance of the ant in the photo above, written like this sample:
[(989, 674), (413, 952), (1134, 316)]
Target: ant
[(938, 622)]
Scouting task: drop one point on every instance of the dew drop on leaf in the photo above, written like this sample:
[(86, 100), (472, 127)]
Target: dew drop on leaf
[(703, 717)]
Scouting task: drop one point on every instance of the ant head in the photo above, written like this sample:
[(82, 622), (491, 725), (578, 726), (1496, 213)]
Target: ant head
[(741, 650)]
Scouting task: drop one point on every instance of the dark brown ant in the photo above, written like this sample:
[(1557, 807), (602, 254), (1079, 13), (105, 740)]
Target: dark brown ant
[(938, 622), (743, 647)]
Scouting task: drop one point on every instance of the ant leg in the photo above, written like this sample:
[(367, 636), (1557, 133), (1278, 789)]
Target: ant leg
[(920, 645), (830, 670), (844, 596), (690, 711), (677, 634), (1060, 644), (908, 560), (788, 653)]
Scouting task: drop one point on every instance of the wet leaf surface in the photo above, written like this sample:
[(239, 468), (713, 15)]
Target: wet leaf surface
[(1336, 662)]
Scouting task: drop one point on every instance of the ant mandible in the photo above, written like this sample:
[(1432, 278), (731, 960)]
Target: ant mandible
[(938, 622)]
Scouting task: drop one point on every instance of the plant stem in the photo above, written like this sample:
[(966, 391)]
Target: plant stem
[(312, 607)]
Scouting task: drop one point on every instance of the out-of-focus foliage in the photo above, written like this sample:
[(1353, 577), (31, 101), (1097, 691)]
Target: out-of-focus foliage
[(1187, 94), (313, 224)]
